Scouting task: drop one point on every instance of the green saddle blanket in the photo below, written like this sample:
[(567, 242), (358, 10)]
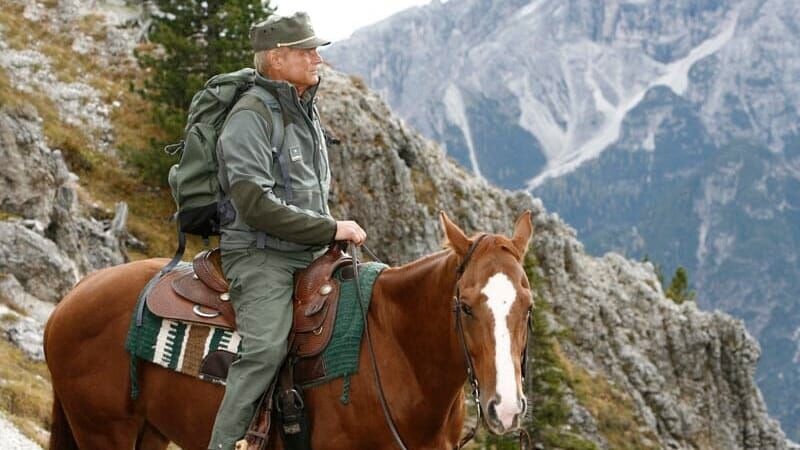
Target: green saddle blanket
[(187, 347)]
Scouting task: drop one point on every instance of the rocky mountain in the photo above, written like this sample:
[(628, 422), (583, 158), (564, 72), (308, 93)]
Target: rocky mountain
[(639, 371), (659, 130), (681, 369)]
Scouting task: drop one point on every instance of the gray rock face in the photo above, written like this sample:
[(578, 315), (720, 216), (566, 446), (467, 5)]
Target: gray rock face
[(47, 243), (36, 262), (659, 129), (25, 332), (557, 79), (31, 171), (395, 182), (15, 294), (689, 373), (22, 317)]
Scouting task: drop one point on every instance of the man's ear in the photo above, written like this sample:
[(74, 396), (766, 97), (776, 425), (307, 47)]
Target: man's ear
[(275, 58), (523, 229), (455, 237)]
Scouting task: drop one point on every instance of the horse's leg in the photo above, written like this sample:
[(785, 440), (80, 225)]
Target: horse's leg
[(110, 434), (180, 407), (151, 439), (61, 437)]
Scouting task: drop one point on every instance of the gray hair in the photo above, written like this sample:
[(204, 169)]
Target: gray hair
[(261, 60)]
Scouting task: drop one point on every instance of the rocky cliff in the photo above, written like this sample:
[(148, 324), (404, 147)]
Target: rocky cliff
[(51, 232), (688, 374), (666, 130), (48, 239), (684, 377)]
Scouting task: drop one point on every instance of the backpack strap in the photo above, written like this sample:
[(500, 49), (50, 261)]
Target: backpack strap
[(263, 103)]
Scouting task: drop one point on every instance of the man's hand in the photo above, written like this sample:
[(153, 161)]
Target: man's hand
[(348, 230)]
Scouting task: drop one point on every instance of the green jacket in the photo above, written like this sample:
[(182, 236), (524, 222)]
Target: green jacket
[(251, 175)]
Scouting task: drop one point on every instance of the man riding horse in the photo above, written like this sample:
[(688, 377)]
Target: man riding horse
[(455, 316), (281, 221)]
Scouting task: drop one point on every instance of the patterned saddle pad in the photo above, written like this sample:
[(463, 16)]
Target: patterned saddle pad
[(206, 352)]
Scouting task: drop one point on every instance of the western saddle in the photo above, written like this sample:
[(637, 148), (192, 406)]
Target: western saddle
[(199, 294)]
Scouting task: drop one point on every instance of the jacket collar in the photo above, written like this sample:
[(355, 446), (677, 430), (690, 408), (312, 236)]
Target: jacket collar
[(285, 90)]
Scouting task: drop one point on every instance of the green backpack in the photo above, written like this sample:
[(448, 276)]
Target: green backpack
[(194, 180)]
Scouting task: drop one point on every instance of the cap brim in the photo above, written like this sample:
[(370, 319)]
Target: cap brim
[(313, 43)]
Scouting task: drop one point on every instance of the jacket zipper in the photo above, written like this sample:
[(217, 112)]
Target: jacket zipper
[(317, 150)]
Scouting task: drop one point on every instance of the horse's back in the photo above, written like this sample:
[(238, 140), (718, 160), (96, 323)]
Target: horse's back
[(100, 300)]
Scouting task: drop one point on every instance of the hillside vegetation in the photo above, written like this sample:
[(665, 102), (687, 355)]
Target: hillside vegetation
[(107, 175)]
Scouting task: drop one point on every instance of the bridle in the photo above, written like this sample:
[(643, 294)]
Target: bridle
[(459, 309), (462, 308)]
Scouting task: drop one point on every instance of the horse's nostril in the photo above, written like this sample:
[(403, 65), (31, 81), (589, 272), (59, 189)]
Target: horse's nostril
[(522, 403), (492, 409)]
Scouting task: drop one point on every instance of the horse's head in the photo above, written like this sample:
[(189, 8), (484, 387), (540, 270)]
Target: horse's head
[(495, 301)]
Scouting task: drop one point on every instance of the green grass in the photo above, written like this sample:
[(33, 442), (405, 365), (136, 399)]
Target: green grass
[(5, 215)]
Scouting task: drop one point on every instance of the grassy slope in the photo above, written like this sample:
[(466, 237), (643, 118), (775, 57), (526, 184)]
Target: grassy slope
[(103, 178)]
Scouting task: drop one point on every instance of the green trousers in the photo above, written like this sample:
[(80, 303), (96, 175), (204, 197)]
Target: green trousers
[(261, 282)]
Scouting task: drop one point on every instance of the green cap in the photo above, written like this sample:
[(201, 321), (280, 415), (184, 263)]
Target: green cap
[(279, 31)]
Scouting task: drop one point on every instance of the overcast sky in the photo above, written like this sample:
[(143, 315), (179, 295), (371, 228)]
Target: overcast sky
[(337, 19)]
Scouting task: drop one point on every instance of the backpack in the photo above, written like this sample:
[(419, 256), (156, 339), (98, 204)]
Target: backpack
[(194, 180)]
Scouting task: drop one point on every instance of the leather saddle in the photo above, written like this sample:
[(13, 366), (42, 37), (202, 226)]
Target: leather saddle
[(199, 294)]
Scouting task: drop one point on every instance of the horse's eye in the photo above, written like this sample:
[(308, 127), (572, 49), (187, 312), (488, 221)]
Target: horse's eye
[(467, 309)]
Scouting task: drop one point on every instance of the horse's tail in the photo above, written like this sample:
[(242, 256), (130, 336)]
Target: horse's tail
[(61, 437)]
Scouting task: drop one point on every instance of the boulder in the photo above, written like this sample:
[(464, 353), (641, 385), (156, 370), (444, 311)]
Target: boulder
[(31, 172), (39, 265)]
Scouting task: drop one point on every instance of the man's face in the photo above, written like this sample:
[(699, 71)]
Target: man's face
[(298, 67)]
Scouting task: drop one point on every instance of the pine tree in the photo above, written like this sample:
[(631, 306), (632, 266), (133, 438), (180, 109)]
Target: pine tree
[(194, 40), (678, 289)]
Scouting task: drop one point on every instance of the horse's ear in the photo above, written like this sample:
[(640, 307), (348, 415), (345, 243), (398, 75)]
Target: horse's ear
[(523, 230), (455, 237)]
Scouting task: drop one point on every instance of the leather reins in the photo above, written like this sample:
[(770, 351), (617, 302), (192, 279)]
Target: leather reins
[(459, 308), (384, 405)]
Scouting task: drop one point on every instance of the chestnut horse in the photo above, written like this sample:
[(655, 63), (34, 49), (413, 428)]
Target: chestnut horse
[(421, 358)]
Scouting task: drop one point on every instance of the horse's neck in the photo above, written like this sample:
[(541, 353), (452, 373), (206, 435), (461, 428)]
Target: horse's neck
[(418, 311)]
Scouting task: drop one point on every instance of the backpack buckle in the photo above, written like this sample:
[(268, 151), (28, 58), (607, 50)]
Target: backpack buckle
[(172, 149)]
